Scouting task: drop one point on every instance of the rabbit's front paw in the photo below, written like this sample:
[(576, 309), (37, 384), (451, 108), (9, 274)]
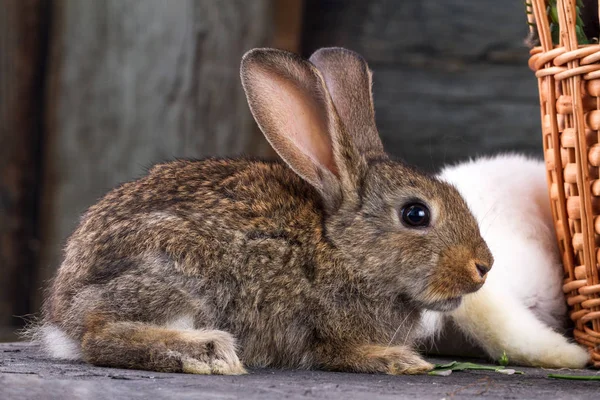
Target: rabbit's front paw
[(214, 366), (394, 360), (407, 363), (215, 354)]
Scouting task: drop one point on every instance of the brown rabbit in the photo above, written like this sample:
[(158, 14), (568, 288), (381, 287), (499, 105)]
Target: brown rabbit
[(325, 262)]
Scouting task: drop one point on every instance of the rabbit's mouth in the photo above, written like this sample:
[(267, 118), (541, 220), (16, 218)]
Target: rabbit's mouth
[(449, 304)]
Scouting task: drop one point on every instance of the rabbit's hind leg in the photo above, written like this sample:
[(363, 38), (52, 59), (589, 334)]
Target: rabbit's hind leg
[(139, 345)]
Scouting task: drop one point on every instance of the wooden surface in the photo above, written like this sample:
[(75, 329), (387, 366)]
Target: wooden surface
[(26, 374), (133, 83), (450, 77), (22, 30)]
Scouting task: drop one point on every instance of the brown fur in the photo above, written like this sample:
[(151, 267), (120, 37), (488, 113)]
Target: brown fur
[(306, 270)]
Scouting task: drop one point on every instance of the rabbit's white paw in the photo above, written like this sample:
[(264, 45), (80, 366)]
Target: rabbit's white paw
[(567, 355)]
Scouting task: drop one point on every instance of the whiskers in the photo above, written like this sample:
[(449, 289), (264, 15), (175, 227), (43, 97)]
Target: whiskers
[(398, 329), (489, 212)]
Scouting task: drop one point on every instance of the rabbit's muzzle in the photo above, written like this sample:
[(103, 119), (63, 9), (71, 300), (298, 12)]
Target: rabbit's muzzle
[(459, 271)]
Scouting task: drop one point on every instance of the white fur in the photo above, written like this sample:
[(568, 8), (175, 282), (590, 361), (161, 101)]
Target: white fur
[(521, 305), (57, 344), (432, 324), (181, 322)]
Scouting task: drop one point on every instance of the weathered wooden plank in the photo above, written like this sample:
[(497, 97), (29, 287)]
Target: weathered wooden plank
[(426, 32), (23, 27), (451, 78), (288, 15), (27, 373), (430, 119), (136, 82)]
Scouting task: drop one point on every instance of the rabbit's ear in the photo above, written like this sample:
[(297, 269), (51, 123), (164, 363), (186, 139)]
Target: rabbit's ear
[(349, 80), (290, 103)]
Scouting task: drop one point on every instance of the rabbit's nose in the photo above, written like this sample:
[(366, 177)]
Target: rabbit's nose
[(482, 269)]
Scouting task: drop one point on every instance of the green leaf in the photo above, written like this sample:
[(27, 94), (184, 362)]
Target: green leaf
[(468, 366), (576, 377), (555, 32), (441, 372), (553, 13), (471, 366), (444, 366), (581, 38), (503, 359)]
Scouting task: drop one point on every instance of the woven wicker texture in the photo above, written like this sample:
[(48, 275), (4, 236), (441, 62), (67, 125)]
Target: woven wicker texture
[(569, 86)]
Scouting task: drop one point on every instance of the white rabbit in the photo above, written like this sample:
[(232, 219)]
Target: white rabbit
[(521, 308)]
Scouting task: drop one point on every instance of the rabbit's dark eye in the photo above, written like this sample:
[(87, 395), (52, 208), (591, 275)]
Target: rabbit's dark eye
[(415, 215)]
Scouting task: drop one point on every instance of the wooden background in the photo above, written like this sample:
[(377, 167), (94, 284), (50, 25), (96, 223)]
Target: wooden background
[(93, 92)]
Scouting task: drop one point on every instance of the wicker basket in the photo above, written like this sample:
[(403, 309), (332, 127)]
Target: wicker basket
[(569, 87)]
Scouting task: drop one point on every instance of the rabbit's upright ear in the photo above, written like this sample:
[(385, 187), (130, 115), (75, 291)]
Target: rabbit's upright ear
[(291, 104), (349, 80)]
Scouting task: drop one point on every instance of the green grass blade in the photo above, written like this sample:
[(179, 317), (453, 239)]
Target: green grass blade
[(576, 377)]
